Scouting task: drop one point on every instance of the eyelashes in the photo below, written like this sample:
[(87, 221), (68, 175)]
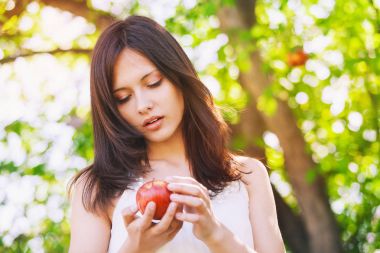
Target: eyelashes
[(125, 99)]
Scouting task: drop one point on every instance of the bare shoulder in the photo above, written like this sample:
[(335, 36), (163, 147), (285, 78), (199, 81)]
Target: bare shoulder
[(262, 208), (253, 171), (90, 231), (77, 199)]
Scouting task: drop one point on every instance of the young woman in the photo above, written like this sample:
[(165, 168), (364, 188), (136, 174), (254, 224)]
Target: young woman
[(153, 118)]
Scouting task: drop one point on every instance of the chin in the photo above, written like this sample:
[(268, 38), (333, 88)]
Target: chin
[(158, 137)]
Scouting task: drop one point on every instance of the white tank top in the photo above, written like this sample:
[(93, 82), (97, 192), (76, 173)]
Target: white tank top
[(230, 208)]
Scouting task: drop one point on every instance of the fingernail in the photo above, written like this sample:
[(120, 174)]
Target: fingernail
[(169, 178), (151, 205), (172, 206), (173, 196), (178, 215)]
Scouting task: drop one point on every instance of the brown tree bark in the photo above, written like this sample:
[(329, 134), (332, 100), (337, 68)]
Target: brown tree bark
[(53, 52), (321, 227), (18, 8), (251, 127)]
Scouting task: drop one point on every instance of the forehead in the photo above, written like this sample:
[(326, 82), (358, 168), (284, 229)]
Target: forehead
[(130, 66)]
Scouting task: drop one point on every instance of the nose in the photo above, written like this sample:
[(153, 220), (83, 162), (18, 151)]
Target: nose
[(143, 104)]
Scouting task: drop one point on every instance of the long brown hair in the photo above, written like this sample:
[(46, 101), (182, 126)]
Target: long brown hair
[(120, 150)]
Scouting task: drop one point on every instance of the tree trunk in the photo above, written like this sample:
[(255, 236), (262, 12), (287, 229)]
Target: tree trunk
[(316, 213), (251, 127)]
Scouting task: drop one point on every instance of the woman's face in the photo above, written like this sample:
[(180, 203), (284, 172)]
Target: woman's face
[(145, 98)]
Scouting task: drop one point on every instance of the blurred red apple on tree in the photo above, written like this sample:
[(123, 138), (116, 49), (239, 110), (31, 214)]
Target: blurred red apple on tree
[(156, 191), (297, 58)]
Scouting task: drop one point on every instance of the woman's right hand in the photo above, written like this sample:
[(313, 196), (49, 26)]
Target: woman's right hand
[(145, 236)]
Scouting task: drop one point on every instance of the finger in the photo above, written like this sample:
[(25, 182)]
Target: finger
[(186, 188), (146, 219), (190, 201), (189, 217), (189, 180), (129, 214), (167, 220), (190, 189)]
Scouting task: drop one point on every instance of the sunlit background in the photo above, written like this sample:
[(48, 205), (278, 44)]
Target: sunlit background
[(45, 129)]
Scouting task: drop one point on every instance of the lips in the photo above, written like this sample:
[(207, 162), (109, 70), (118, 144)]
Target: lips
[(151, 120)]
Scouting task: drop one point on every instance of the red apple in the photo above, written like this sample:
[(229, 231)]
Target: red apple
[(156, 191), (297, 58)]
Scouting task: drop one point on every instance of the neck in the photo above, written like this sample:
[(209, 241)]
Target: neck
[(172, 151)]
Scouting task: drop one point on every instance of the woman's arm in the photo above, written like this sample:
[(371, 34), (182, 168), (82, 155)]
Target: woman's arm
[(224, 241), (266, 233), (89, 232)]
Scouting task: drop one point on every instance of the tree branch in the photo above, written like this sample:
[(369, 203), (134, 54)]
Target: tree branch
[(80, 8), (16, 11), (53, 52)]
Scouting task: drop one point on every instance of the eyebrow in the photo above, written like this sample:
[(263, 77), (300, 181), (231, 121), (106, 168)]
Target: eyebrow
[(142, 78)]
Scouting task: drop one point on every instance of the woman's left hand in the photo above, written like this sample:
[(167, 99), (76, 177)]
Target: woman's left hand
[(197, 206)]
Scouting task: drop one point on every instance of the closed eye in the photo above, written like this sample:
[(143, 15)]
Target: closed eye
[(123, 100), (155, 84)]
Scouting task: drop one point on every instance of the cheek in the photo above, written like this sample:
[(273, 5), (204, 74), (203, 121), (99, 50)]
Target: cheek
[(179, 109), (127, 114)]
